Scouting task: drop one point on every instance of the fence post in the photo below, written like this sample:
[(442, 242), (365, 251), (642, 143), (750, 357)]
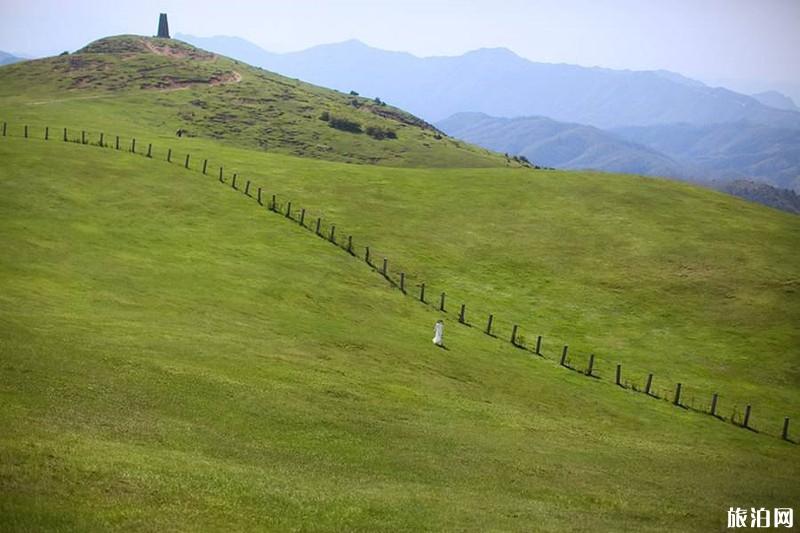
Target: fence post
[(714, 398), (441, 302), (26, 131), (247, 188), (366, 253), (102, 145), (5, 125), (618, 376), (462, 313), (319, 223), (349, 244), (564, 355), (303, 217), (591, 365), (288, 209), (422, 293), (514, 335), (149, 149), (221, 179), (65, 134), (47, 133), (186, 164), (116, 143), (333, 234), (169, 160), (205, 165), (785, 432), (677, 400), (385, 268), (233, 181), (489, 325), (649, 384), (259, 196), (539, 345), (275, 206), (746, 416), (133, 145), (403, 282)]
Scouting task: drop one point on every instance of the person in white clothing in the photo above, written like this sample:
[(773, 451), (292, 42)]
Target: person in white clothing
[(438, 333)]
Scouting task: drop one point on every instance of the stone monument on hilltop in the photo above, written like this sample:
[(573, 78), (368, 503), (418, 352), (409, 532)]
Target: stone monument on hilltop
[(163, 27)]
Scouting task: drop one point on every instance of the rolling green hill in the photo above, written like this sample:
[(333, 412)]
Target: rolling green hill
[(174, 356), (173, 85)]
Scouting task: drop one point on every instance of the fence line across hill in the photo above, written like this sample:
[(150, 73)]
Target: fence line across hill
[(414, 286)]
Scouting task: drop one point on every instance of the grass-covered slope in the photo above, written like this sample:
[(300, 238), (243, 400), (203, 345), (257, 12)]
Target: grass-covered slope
[(691, 285), (174, 357), (142, 84)]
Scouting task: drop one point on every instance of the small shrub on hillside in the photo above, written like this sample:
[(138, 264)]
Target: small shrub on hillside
[(381, 133), (345, 124), (353, 93), (325, 116)]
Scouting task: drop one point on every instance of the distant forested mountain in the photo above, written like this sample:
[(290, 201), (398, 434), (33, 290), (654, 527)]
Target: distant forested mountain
[(547, 142), (739, 150), (776, 100), (782, 199)]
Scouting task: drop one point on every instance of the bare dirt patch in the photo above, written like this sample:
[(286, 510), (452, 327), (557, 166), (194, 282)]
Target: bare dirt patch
[(178, 51)]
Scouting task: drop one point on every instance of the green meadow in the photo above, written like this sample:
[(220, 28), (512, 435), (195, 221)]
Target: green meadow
[(174, 356)]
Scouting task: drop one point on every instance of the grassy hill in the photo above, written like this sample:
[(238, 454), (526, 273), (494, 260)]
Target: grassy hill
[(174, 356), (174, 85)]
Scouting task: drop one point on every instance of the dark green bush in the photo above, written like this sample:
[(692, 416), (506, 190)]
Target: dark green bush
[(381, 133), (345, 124)]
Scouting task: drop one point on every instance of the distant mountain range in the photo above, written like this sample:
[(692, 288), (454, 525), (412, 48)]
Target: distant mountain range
[(776, 100), (738, 150), (762, 193), (549, 143), (500, 83), (716, 155), (7, 59)]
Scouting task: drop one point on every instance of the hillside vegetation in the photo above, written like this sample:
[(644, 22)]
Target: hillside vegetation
[(175, 357), (173, 85)]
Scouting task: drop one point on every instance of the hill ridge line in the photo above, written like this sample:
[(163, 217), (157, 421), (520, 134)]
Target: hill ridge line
[(284, 208)]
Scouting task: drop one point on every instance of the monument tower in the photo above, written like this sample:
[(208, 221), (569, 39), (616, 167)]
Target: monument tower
[(163, 27)]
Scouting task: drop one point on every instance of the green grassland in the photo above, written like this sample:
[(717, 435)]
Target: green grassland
[(174, 356), (173, 85)]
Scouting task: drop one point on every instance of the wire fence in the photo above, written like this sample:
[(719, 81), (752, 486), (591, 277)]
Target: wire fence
[(413, 285)]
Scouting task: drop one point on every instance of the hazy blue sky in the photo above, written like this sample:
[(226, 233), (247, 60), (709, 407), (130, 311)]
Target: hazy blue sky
[(706, 39)]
